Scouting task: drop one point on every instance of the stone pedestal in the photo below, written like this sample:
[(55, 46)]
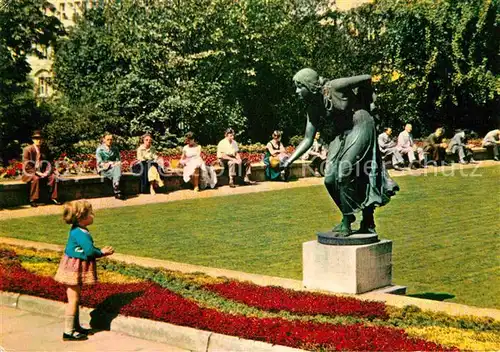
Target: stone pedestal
[(347, 269)]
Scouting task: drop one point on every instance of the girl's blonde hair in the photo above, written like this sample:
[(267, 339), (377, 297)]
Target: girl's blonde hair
[(76, 210)]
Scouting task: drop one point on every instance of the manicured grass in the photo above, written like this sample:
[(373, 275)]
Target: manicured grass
[(445, 228)]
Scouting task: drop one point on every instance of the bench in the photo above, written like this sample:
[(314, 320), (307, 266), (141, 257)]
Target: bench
[(15, 193), (479, 153)]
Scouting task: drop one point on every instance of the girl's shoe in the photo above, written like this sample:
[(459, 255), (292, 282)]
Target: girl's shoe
[(197, 189), (74, 336), (84, 331)]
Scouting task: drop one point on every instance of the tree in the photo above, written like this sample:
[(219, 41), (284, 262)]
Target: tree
[(440, 64), (24, 28), (165, 67)]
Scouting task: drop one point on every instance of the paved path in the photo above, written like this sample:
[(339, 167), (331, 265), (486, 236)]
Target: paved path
[(25, 331), (142, 199)]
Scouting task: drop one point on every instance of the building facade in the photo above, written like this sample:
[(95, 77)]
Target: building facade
[(67, 11)]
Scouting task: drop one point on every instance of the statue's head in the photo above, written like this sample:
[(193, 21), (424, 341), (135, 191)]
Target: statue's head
[(307, 82)]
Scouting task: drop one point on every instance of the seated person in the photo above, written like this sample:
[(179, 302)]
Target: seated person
[(317, 154), (37, 169), (406, 147), (436, 147), (458, 145), (492, 142), (194, 168), (109, 163), (275, 156), (227, 153), (388, 148), (149, 166)]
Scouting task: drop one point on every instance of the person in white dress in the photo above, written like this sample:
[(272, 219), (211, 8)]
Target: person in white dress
[(194, 168)]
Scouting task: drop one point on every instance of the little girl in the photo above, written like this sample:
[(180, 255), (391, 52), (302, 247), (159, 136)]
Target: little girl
[(78, 265)]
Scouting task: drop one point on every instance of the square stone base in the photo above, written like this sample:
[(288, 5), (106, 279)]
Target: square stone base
[(347, 269)]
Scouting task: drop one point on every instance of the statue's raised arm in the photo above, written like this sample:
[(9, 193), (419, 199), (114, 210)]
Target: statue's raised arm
[(341, 84)]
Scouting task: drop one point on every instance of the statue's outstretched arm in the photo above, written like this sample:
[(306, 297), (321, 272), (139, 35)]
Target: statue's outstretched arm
[(307, 141), (350, 82)]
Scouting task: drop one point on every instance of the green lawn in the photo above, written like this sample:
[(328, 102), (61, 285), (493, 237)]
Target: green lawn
[(446, 232)]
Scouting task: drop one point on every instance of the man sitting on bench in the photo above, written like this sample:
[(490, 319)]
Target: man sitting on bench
[(37, 168), (227, 153), (388, 148), (492, 142)]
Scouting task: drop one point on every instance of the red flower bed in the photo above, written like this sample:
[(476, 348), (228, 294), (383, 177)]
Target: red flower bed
[(160, 304), (147, 300), (275, 299), (16, 279), (87, 162)]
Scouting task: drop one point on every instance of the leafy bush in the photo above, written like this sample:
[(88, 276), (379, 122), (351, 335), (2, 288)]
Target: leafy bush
[(295, 140)]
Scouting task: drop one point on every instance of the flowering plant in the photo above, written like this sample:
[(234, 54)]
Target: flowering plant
[(306, 320)]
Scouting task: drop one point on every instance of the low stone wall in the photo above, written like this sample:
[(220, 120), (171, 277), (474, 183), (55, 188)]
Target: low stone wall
[(479, 154), (16, 193)]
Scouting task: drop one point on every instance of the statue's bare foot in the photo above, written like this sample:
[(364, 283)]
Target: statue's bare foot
[(342, 230)]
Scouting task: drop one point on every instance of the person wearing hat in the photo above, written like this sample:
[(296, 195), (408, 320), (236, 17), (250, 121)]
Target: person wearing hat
[(275, 156), (37, 169), (458, 145), (229, 156)]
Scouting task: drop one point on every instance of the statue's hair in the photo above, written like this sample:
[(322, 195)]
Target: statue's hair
[(76, 210), (310, 79)]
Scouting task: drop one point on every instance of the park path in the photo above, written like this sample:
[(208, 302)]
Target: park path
[(143, 199), (25, 331)]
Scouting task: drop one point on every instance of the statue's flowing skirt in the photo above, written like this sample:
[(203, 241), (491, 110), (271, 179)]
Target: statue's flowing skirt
[(355, 175)]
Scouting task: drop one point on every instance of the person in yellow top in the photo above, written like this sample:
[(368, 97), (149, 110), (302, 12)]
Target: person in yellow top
[(149, 166), (229, 156)]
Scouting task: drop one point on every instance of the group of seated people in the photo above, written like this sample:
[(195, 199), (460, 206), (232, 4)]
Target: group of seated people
[(434, 149), (37, 168), (276, 155), (150, 167)]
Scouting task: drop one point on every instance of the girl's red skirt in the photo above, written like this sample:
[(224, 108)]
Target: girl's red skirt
[(74, 271)]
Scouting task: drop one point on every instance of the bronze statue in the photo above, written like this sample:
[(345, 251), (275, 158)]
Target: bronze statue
[(355, 176)]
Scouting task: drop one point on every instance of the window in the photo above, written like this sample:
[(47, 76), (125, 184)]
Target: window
[(42, 88), (62, 11)]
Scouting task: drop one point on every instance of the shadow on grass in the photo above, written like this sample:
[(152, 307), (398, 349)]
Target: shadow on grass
[(105, 312), (435, 296)]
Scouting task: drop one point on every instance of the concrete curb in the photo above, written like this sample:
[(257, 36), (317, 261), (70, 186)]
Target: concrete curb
[(263, 280), (173, 335)]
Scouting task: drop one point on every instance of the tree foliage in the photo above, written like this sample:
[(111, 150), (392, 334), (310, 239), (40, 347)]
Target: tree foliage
[(441, 64), (166, 67), (24, 29)]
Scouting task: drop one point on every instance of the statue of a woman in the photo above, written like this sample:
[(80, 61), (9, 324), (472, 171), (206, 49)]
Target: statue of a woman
[(355, 175)]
